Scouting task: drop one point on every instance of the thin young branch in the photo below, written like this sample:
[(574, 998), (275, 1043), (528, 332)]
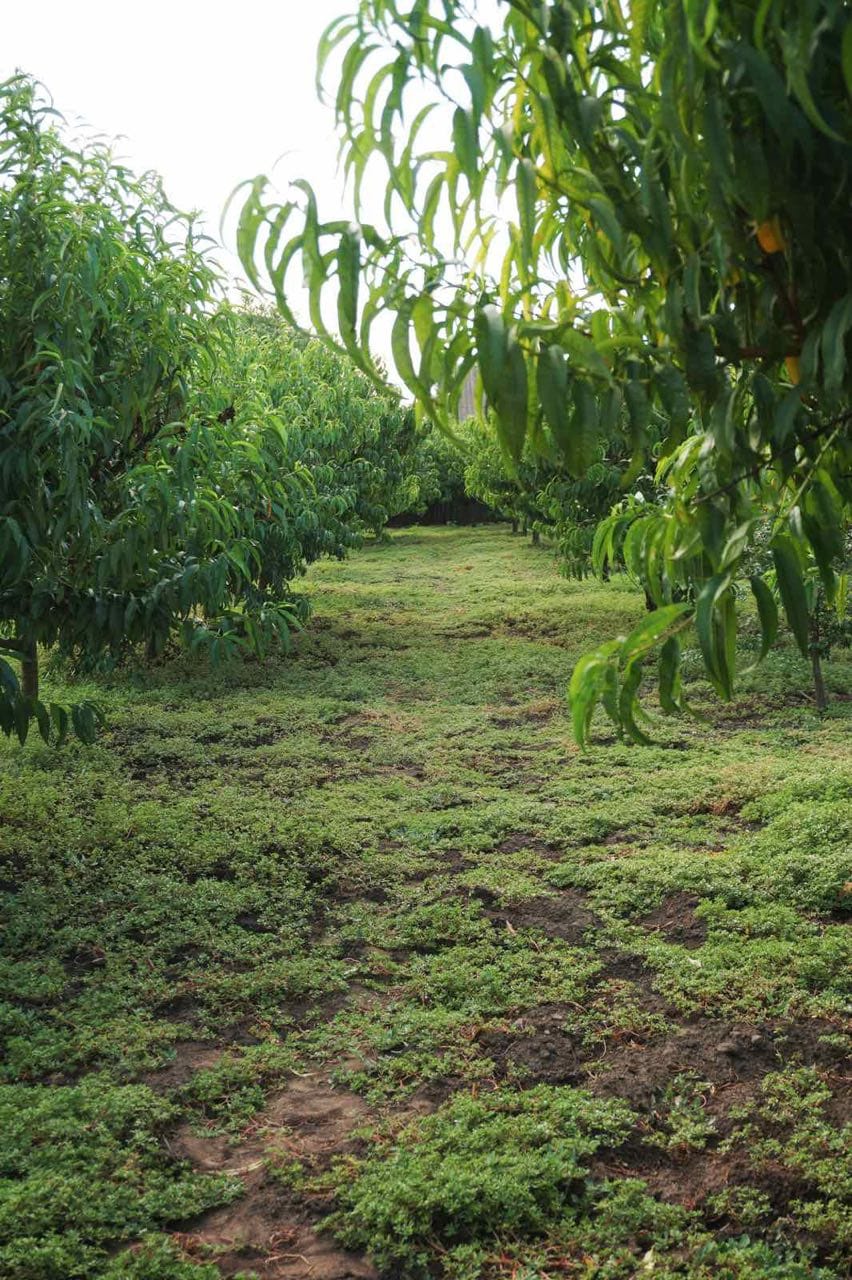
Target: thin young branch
[(833, 426)]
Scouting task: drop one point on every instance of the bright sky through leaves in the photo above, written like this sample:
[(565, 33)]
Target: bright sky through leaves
[(207, 95)]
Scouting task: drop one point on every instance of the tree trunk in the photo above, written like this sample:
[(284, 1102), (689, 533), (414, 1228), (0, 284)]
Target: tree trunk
[(816, 665), (29, 671), (536, 537), (514, 526)]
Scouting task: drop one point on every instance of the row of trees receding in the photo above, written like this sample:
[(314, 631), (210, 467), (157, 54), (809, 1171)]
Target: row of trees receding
[(168, 464), (629, 226)]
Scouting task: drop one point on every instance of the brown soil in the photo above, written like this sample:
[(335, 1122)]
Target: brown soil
[(190, 1056), (722, 1053), (675, 920), (685, 1178), (621, 966), (517, 843), (537, 1046), (270, 1230), (564, 916), (453, 862), (732, 1058), (621, 839), (271, 1234), (275, 1232)]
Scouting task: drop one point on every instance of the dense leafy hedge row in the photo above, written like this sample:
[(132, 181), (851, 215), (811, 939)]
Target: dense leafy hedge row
[(168, 466)]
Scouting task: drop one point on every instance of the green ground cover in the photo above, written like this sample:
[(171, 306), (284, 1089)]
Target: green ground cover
[(359, 938)]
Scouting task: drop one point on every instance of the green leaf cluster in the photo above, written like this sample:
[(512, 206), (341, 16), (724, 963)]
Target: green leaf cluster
[(617, 218), (507, 1162), (168, 466)]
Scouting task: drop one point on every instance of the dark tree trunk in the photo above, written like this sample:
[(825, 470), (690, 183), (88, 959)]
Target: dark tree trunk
[(816, 665), (536, 537), (514, 526), (29, 671)]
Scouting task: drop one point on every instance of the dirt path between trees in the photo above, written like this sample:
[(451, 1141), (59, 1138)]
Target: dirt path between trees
[(363, 970)]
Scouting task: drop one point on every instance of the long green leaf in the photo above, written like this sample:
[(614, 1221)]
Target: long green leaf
[(791, 588), (767, 612)]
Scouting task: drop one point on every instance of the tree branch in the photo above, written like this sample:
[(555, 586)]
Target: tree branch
[(754, 471)]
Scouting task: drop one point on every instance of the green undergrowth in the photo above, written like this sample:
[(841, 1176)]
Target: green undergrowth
[(84, 1167), (619, 979), (509, 1161)]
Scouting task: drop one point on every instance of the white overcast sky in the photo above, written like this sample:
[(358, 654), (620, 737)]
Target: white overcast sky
[(208, 94)]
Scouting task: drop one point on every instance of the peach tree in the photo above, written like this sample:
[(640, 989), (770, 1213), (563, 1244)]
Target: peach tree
[(134, 505), (355, 438), (617, 216)]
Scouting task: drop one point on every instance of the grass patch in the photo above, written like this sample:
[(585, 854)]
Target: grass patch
[(380, 871)]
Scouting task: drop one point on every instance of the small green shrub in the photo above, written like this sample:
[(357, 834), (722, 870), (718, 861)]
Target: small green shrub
[(787, 1126), (683, 1122), (83, 1168), (506, 1162)]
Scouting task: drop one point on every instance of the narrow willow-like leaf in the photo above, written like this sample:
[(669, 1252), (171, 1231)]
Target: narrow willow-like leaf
[(513, 401), (553, 392), (348, 266), (526, 190), (791, 588), (492, 343), (593, 676), (669, 676), (767, 612), (657, 626), (711, 625), (628, 702)]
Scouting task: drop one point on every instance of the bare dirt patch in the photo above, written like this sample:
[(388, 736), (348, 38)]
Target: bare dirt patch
[(271, 1230), (537, 1046), (686, 1178), (190, 1057), (443, 862), (518, 843), (562, 916), (271, 1234), (722, 1053), (622, 840), (732, 1059), (675, 920)]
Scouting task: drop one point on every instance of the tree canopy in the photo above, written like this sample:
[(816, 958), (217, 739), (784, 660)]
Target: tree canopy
[(167, 466), (628, 220)]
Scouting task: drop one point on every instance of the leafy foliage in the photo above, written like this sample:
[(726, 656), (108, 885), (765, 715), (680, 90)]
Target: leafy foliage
[(378, 849), (610, 216), (167, 467), (442, 490), (513, 490), (355, 441), (82, 1168), (126, 512), (508, 1161)]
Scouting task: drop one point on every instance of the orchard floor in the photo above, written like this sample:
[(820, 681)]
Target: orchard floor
[(361, 933)]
